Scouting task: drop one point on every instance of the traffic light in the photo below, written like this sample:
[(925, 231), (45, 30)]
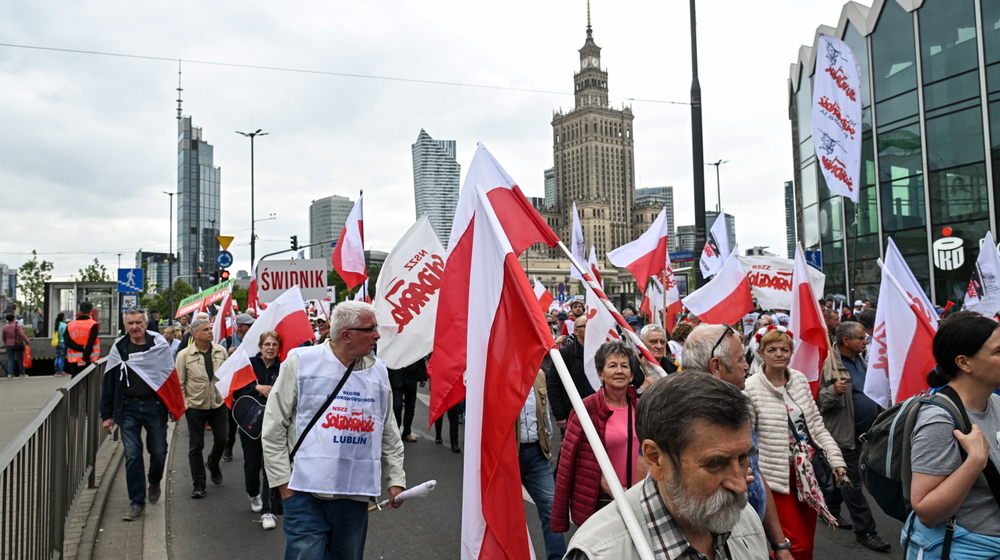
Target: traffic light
[(222, 276), (295, 242)]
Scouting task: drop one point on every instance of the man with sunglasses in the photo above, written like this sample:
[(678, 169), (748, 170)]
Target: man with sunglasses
[(339, 464), (718, 350)]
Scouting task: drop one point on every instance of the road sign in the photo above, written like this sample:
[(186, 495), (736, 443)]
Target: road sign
[(815, 259), (130, 279), (562, 297), (561, 288), (129, 301), (224, 241), (224, 259), (682, 256)]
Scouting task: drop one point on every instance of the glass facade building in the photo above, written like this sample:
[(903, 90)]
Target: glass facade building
[(198, 213), (790, 218), (930, 90), (435, 182), (327, 217)]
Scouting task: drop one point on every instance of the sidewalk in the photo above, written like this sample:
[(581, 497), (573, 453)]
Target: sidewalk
[(22, 399)]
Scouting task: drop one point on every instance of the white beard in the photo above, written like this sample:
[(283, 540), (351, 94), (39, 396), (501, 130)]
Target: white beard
[(717, 514)]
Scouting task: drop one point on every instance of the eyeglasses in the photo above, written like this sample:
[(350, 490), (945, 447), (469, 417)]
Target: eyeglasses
[(721, 338), (372, 329)]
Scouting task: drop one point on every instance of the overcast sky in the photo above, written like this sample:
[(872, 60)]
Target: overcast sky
[(89, 142)]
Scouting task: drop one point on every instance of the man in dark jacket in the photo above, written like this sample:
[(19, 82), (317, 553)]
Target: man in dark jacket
[(127, 400), (572, 354), (404, 383)]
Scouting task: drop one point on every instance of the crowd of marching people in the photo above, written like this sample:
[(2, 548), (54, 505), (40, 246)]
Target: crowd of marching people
[(746, 455)]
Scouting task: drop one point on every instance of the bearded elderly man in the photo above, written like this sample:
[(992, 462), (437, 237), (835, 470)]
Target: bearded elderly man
[(695, 434), (336, 469)]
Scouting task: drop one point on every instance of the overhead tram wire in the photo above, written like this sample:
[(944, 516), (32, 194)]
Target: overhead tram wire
[(324, 72)]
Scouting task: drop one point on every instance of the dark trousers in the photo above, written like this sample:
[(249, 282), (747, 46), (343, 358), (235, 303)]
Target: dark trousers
[(452, 425), (253, 470), (151, 415), (231, 439), (196, 419), (404, 402), (857, 505), (15, 361)]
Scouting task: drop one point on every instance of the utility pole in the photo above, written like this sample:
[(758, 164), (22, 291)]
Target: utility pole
[(253, 233), (697, 151), (170, 262), (718, 184)]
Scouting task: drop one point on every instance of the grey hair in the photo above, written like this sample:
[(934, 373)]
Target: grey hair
[(651, 328), (203, 314), (668, 410), (611, 348), (347, 314), (698, 347), (847, 329), (197, 324), (136, 311)]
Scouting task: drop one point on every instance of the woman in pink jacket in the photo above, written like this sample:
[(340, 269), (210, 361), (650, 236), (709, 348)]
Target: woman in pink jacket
[(15, 341)]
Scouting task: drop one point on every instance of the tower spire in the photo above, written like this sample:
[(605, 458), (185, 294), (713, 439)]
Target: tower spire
[(180, 89), (589, 32)]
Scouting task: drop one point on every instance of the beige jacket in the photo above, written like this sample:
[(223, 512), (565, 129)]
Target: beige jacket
[(837, 409), (605, 537), (770, 420), (278, 433), (541, 401), (199, 391)]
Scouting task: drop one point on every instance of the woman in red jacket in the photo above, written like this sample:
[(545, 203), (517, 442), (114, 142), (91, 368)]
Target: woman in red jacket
[(581, 490), (15, 341)]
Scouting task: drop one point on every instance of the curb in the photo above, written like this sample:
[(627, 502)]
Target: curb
[(93, 525)]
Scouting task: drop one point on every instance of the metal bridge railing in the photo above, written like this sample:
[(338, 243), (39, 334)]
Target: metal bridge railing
[(45, 468)]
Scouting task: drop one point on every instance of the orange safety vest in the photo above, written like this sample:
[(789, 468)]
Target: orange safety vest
[(78, 330)]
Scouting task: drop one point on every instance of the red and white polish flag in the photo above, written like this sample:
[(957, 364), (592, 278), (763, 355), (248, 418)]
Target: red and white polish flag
[(601, 327), (156, 367), (225, 321), (349, 255), (901, 353), (807, 325), (594, 266), (646, 256), (725, 298), (523, 226), (286, 316), (493, 338), (545, 299)]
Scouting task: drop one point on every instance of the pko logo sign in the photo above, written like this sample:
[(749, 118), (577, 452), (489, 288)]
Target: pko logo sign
[(949, 253)]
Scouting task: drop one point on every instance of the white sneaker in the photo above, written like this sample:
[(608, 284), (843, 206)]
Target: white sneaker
[(268, 521), (255, 504)]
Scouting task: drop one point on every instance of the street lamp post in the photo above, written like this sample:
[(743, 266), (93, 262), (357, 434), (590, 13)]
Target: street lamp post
[(170, 262), (718, 184), (697, 150), (253, 233)]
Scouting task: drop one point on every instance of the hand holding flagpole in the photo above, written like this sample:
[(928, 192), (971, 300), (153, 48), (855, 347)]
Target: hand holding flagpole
[(419, 491)]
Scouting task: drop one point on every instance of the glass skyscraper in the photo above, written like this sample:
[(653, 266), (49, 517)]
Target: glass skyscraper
[(930, 90), (198, 215), (327, 217), (435, 182)]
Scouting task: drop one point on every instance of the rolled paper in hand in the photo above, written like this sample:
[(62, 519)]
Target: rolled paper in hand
[(419, 491)]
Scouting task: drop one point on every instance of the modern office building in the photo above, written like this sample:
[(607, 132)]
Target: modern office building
[(790, 218), (8, 282), (435, 182), (685, 238), (198, 210), (550, 187), (157, 267), (327, 217), (711, 216), (663, 197), (930, 91)]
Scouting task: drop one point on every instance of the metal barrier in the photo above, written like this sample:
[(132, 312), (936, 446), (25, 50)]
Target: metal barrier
[(44, 469)]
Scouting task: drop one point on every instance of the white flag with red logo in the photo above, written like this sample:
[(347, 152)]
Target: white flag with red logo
[(983, 294), (494, 338), (156, 367), (225, 321), (349, 255), (407, 296), (836, 115), (901, 353), (577, 248), (601, 327), (716, 250), (545, 298), (362, 293), (286, 316), (807, 324), (725, 298), (594, 266), (647, 255)]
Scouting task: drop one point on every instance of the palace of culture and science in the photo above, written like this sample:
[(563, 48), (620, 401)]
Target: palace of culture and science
[(594, 166)]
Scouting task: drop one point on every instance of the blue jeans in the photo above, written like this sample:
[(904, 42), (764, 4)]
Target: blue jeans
[(536, 476), (333, 529), (15, 363), (150, 414)]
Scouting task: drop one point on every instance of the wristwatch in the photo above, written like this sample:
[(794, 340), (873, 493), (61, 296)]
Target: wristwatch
[(639, 392), (787, 545)]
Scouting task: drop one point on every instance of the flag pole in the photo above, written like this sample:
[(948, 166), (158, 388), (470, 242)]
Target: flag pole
[(635, 530), (633, 338)]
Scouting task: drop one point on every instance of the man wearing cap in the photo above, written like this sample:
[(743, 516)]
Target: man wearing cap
[(231, 343), (154, 321)]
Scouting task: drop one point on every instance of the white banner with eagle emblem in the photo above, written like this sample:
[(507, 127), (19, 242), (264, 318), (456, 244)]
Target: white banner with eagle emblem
[(836, 116)]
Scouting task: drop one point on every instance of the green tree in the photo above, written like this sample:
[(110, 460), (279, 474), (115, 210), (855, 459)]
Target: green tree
[(160, 300), (333, 279), (240, 296), (94, 272), (31, 279)]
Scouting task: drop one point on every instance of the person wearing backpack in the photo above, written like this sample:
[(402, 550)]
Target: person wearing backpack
[(955, 512)]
